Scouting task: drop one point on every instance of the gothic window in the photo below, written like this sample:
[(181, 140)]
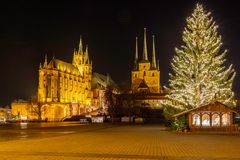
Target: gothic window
[(215, 119), (153, 74), (66, 81), (205, 120), (49, 86), (196, 120), (144, 73), (61, 81), (135, 75), (70, 85)]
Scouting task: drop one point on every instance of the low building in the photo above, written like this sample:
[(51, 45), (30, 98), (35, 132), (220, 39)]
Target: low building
[(20, 109), (5, 113), (150, 100), (212, 117), (147, 106), (25, 110)]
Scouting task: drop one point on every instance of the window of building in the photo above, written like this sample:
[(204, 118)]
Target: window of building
[(144, 73), (215, 119), (196, 120), (225, 119), (205, 120), (153, 74)]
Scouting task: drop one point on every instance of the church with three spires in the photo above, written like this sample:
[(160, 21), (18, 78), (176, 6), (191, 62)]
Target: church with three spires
[(145, 96), (145, 74)]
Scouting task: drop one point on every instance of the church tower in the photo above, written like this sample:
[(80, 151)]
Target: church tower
[(82, 62), (146, 74), (81, 58)]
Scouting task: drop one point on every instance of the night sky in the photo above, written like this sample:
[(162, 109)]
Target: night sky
[(29, 30)]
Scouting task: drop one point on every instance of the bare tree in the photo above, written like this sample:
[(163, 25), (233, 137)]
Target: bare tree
[(37, 108), (110, 101)]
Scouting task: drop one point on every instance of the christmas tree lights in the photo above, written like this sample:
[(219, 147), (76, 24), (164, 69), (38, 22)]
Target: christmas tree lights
[(199, 76)]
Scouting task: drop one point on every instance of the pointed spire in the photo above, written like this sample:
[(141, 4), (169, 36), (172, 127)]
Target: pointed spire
[(45, 62), (74, 54), (80, 48), (86, 55), (136, 54), (40, 66), (158, 64), (153, 54), (145, 55), (136, 51), (45, 58)]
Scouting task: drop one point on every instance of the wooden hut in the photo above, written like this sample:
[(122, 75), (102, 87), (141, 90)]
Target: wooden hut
[(212, 117)]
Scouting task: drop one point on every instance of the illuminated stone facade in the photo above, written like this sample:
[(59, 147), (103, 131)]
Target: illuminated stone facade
[(145, 75), (64, 87), (65, 82), (24, 110), (20, 108)]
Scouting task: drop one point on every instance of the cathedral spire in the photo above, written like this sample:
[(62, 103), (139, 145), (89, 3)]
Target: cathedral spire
[(145, 55), (45, 62), (74, 54), (136, 54), (86, 55), (153, 54), (80, 48), (136, 51)]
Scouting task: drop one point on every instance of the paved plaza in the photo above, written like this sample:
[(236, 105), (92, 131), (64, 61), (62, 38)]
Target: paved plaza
[(106, 141)]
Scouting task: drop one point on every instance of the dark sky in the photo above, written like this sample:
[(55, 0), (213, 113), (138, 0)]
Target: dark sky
[(29, 30)]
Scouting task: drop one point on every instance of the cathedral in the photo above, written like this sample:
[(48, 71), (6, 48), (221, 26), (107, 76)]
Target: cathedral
[(146, 74), (64, 82), (64, 89)]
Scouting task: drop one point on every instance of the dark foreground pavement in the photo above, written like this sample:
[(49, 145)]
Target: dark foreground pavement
[(106, 141)]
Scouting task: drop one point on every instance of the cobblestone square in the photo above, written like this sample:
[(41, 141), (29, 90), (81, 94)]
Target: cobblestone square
[(119, 142)]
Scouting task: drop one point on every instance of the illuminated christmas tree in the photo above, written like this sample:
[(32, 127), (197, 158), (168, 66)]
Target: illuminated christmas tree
[(199, 76)]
